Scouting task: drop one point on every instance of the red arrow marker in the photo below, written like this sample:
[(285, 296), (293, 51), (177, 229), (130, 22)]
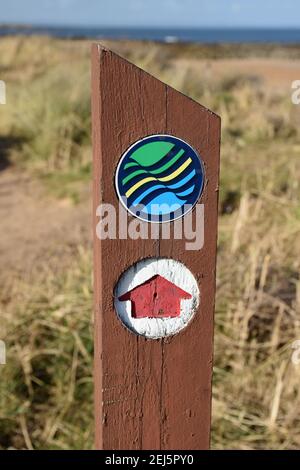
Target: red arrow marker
[(156, 298)]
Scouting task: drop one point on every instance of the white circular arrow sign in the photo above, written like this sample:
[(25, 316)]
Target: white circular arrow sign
[(156, 297)]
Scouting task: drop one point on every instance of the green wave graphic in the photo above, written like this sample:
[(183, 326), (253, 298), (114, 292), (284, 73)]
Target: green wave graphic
[(157, 171), (151, 153)]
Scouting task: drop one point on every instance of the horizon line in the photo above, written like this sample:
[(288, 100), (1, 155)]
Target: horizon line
[(145, 26)]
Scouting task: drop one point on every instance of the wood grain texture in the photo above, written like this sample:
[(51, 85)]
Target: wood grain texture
[(135, 378)]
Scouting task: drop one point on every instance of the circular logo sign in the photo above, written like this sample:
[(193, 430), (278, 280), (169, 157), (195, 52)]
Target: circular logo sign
[(159, 178), (156, 297)]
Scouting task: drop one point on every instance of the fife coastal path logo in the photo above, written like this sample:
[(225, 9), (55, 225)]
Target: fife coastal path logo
[(159, 178)]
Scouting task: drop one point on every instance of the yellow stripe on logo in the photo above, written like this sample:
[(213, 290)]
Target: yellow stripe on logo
[(139, 184), (177, 172), (165, 178)]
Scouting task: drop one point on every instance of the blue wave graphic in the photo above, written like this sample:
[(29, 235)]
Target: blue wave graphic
[(150, 190), (164, 204)]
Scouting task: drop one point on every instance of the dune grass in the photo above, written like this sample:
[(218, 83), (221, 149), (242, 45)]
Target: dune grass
[(48, 111), (46, 387)]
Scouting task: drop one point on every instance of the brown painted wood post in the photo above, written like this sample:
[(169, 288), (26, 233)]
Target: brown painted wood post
[(150, 393)]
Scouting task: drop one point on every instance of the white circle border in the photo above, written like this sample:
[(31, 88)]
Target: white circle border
[(117, 174)]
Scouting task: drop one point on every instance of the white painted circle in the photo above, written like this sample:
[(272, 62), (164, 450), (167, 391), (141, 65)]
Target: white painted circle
[(144, 270)]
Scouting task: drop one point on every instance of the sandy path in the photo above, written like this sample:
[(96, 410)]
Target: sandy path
[(276, 73), (37, 230)]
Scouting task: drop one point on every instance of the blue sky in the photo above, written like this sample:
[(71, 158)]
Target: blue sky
[(185, 13)]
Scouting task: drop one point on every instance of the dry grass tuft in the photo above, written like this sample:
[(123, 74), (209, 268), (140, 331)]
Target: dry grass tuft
[(46, 388)]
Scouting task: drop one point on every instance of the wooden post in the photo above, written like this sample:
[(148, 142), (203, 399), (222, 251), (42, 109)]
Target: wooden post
[(150, 393)]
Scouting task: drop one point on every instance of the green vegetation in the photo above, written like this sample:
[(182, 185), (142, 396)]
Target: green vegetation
[(48, 113), (46, 387)]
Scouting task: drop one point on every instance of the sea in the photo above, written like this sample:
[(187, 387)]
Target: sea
[(169, 35)]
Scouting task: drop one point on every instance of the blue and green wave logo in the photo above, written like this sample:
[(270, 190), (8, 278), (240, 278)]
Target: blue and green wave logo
[(160, 178)]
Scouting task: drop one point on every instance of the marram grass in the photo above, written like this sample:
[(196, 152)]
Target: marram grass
[(46, 388)]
